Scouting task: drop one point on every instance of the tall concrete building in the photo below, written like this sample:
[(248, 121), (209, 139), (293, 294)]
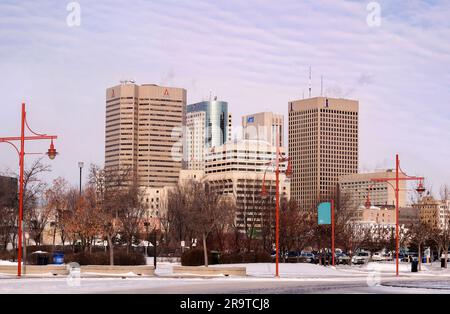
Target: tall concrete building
[(356, 189), (264, 126), (196, 140), (237, 169), (323, 145), (144, 131), (209, 125), (435, 213)]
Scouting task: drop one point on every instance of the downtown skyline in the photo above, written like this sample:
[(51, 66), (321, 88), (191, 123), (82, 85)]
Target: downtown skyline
[(398, 71)]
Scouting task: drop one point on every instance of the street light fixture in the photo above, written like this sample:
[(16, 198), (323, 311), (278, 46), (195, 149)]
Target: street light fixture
[(51, 153), (277, 161), (80, 165), (420, 189)]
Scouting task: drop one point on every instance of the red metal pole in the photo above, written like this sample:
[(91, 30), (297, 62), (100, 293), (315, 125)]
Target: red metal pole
[(21, 165), (397, 163), (277, 209), (332, 231)]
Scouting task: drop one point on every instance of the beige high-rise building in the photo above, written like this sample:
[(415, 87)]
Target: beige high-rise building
[(144, 131), (237, 169), (434, 212), (264, 126), (356, 189), (195, 140), (374, 216), (323, 145)]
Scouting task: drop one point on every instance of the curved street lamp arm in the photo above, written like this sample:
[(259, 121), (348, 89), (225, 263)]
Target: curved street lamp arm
[(392, 186), (29, 129), (15, 147), (412, 177)]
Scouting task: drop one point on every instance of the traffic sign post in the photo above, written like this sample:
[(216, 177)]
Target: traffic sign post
[(325, 216)]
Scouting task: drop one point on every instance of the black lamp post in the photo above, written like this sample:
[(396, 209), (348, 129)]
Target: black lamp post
[(146, 224), (154, 249), (80, 165)]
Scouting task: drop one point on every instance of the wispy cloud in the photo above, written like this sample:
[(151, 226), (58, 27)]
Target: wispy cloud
[(254, 54)]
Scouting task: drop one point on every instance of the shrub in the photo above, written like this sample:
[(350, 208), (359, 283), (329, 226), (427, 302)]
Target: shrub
[(102, 258), (194, 257), (129, 259), (7, 255), (248, 257)]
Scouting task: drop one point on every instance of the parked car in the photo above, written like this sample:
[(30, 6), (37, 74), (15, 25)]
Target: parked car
[(377, 257), (307, 257), (342, 258), (387, 257), (361, 258), (292, 257)]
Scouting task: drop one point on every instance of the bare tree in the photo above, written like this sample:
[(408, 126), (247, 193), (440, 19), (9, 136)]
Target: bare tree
[(295, 227), (419, 234), (222, 227), (444, 237), (112, 189), (56, 198), (132, 212), (350, 235), (175, 222), (205, 210), (85, 221), (8, 211), (36, 216)]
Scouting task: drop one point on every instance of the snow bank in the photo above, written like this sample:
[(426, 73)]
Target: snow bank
[(7, 263)]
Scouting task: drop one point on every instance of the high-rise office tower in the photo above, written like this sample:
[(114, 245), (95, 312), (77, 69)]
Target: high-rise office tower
[(264, 126), (208, 125), (196, 140), (144, 131), (323, 145), (359, 189)]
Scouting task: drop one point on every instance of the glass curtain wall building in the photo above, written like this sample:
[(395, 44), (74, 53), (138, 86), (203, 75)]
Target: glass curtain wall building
[(212, 128)]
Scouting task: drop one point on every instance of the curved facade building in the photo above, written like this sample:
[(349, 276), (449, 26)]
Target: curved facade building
[(209, 125)]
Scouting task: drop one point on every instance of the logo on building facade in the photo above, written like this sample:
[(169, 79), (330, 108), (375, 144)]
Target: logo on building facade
[(250, 119), (166, 92), (113, 94)]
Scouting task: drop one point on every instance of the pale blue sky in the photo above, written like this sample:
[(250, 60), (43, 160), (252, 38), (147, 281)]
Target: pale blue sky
[(254, 54)]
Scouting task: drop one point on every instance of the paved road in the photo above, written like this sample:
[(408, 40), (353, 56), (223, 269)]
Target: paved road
[(297, 287), (225, 286)]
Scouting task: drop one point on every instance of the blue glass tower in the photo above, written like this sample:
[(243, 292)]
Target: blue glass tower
[(216, 121)]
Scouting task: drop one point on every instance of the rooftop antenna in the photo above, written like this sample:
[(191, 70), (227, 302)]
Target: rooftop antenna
[(310, 81), (210, 95), (127, 81)]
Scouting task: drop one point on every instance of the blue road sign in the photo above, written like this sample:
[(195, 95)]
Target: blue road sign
[(324, 213)]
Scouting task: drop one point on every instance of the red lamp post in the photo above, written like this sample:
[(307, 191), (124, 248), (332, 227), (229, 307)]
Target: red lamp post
[(51, 153), (277, 162), (420, 189)]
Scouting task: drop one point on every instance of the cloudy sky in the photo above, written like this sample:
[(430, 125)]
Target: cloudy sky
[(255, 54)]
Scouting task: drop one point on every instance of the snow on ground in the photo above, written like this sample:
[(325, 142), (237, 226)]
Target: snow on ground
[(287, 270), (305, 270), (267, 270), (297, 270), (259, 275)]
